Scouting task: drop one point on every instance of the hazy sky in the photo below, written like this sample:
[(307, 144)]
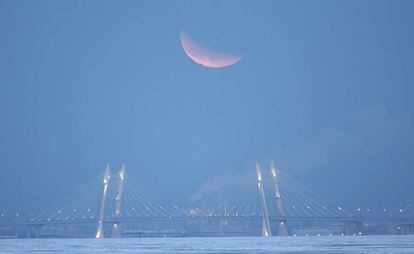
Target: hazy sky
[(325, 88)]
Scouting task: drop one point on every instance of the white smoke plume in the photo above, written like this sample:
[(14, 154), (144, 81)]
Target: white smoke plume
[(225, 181)]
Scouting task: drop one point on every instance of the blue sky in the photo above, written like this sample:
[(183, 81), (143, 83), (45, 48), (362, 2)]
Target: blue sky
[(324, 88)]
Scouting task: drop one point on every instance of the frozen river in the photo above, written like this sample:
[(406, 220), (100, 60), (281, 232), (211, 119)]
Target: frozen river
[(347, 244)]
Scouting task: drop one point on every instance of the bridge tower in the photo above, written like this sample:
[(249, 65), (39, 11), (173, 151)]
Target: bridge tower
[(116, 231), (107, 176), (266, 223), (275, 178)]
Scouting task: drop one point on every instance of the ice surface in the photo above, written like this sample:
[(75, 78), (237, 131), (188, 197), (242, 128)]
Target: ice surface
[(333, 244)]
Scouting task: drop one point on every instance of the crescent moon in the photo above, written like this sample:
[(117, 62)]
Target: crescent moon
[(206, 57)]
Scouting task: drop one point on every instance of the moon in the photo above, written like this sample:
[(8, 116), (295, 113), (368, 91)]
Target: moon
[(204, 56)]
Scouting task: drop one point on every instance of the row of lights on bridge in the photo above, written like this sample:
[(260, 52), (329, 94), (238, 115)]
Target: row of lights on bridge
[(369, 210), (319, 235), (400, 210)]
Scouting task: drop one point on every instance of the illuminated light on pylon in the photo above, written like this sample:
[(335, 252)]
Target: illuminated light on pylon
[(107, 176), (116, 231), (266, 223), (283, 225)]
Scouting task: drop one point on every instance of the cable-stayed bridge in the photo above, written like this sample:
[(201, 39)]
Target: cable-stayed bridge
[(108, 198), (270, 195), (266, 202)]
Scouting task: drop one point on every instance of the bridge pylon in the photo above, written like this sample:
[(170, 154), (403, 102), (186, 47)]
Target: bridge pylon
[(283, 231), (116, 230), (107, 176), (266, 231)]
